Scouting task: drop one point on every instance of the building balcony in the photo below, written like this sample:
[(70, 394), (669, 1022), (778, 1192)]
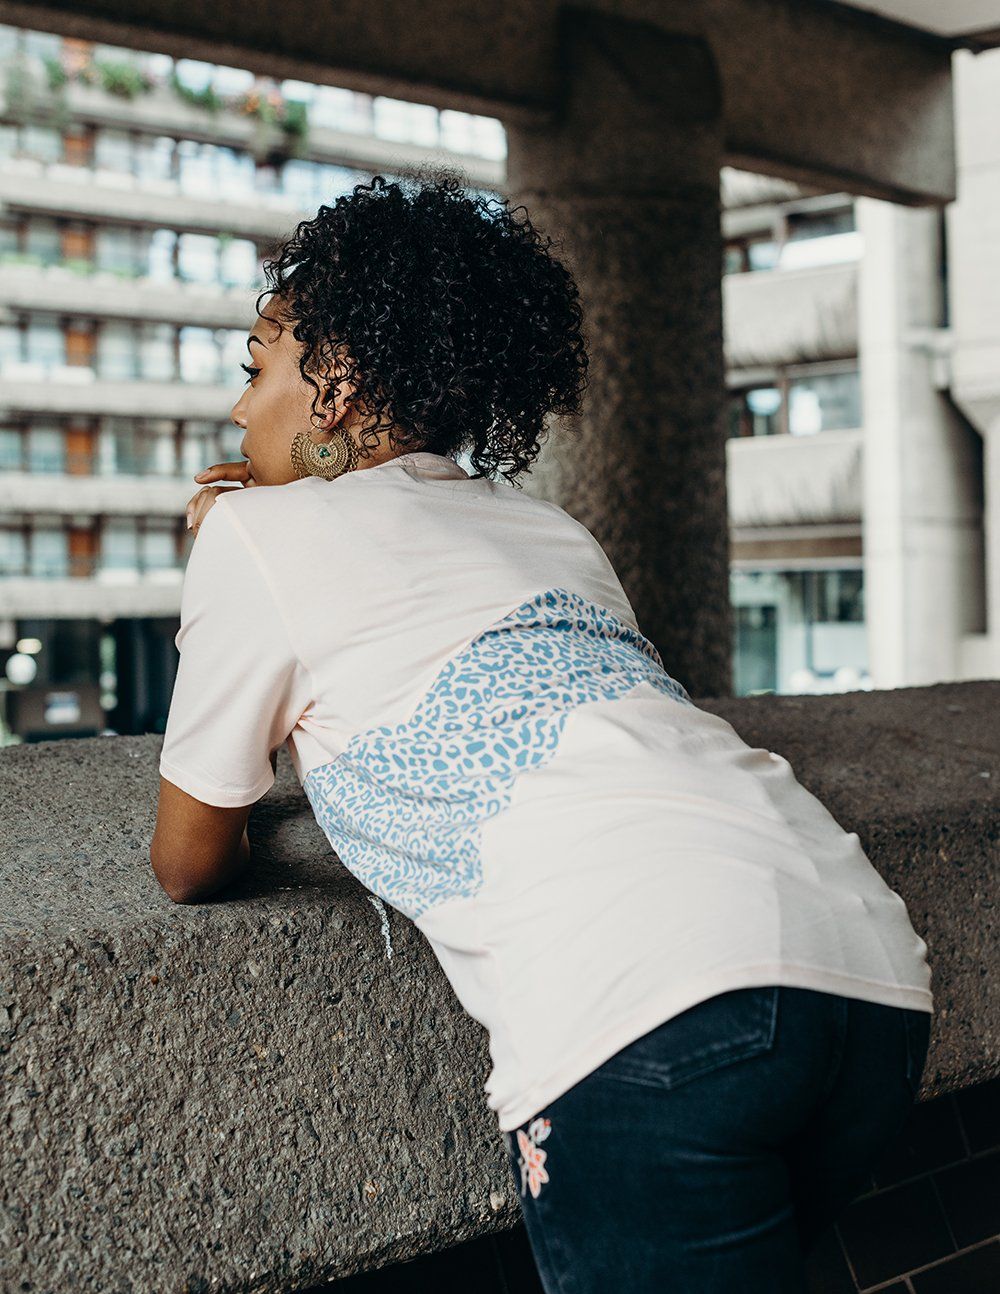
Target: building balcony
[(790, 316), (66, 389), (91, 193), (68, 494), (101, 294), (795, 480), (95, 594), (162, 112)]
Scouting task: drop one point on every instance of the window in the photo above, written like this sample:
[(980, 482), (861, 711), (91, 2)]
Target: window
[(412, 123), (41, 142), (820, 238), (46, 445), (799, 631), (13, 551), (128, 447), (116, 351), (201, 446), (835, 597), (115, 251), (762, 253), (819, 224), (198, 258), (465, 132), (194, 74), (159, 248), (824, 402), (154, 157), (9, 236), (337, 109), (156, 546), (41, 44), (235, 173), (43, 240), (156, 352), (11, 449), (755, 411), (161, 440), (238, 263), (797, 239), (49, 552), (232, 80), (113, 150), (120, 544), (8, 40), (234, 353), (11, 344), (196, 168), (301, 181), (199, 355), (46, 343), (799, 403)]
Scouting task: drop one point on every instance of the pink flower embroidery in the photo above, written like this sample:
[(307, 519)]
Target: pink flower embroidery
[(532, 1159)]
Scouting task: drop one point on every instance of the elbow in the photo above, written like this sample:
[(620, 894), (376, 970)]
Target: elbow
[(181, 896), (170, 879)]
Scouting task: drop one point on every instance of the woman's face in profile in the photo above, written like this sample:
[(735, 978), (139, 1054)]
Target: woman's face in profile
[(275, 404)]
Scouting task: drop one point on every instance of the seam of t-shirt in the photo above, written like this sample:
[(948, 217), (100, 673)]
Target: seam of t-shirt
[(227, 788), (244, 535)]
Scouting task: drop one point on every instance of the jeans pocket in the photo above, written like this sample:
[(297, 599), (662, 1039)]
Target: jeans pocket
[(715, 1032), (917, 1028)]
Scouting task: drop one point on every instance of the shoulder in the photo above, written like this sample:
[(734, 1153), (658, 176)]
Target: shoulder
[(263, 518)]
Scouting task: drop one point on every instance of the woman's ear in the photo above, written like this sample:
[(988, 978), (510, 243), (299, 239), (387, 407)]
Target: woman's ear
[(335, 394)]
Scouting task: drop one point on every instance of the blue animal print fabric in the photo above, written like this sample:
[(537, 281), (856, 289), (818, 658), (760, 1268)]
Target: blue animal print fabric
[(403, 806)]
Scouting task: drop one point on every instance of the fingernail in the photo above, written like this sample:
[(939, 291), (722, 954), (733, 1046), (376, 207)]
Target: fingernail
[(204, 472)]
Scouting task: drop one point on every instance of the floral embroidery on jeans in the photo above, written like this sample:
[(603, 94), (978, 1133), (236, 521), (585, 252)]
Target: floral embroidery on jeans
[(531, 1160)]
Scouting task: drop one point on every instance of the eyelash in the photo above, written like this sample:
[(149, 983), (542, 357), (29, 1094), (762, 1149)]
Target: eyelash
[(248, 368)]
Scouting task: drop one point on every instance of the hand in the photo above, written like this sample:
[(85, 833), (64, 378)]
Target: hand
[(200, 503)]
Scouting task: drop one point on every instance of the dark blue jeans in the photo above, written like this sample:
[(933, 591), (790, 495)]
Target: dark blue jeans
[(708, 1155)]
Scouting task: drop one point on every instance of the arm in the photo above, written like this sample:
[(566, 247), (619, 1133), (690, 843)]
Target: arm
[(240, 690), (198, 849)]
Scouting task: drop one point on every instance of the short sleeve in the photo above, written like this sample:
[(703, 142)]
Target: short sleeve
[(240, 687)]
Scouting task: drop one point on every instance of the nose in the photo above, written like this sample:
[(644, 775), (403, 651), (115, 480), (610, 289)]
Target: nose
[(237, 415)]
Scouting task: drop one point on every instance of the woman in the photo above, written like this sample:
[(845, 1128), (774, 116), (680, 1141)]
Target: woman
[(708, 1014)]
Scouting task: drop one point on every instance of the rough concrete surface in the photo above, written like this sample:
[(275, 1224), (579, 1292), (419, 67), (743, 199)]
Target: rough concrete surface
[(278, 1087)]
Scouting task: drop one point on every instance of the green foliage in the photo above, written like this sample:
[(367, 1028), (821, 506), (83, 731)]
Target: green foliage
[(55, 72), (206, 98), (122, 78)]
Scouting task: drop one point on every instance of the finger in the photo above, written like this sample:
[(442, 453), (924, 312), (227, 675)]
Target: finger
[(202, 504), (237, 471), (195, 502)]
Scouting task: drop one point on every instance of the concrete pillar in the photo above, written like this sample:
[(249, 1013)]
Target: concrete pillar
[(922, 513), (626, 177)]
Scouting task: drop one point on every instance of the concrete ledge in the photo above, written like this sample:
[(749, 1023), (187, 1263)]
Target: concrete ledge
[(278, 1088)]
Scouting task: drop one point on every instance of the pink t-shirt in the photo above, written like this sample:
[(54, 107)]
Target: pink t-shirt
[(492, 746)]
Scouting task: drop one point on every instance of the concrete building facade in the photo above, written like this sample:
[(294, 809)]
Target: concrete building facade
[(858, 389)]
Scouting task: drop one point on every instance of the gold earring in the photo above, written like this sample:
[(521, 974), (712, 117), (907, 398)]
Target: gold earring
[(327, 461)]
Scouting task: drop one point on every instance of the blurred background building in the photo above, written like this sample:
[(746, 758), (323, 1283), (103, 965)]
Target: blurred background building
[(139, 195)]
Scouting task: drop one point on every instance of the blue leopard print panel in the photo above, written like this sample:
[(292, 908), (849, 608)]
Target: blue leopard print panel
[(403, 805)]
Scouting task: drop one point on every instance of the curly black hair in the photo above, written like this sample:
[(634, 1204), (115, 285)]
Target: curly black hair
[(444, 311)]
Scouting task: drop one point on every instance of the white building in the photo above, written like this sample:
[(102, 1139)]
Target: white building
[(138, 197), (863, 359)]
